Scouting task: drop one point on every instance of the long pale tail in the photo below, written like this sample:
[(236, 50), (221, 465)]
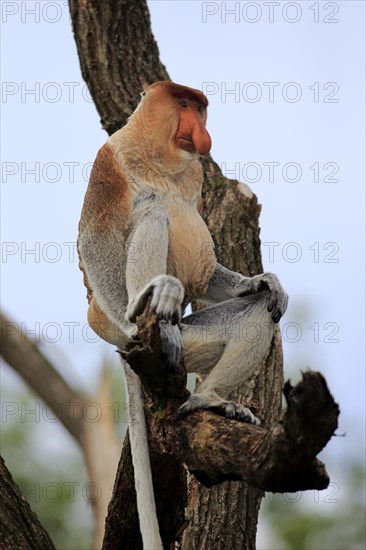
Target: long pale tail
[(149, 526)]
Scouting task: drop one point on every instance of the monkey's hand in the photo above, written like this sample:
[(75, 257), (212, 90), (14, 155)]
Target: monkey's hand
[(278, 300), (167, 294), (171, 343)]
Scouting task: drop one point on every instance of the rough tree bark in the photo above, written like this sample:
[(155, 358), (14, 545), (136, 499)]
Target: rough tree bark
[(118, 57), (19, 525)]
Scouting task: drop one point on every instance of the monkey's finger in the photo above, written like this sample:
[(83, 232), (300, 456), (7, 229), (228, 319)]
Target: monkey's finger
[(283, 302), (155, 302), (167, 298), (171, 344), (135, 310), (280, 306), (276, 316), (272, 300), (166, 312), (162, 315), (176, 355), (175, 318), (138, 306), (246, 292), (168, 308)]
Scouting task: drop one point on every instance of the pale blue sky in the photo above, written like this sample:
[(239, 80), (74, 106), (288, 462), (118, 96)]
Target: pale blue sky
[(319, 63)]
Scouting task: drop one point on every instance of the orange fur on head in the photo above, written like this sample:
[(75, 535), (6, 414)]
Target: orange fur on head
[(179, 91)]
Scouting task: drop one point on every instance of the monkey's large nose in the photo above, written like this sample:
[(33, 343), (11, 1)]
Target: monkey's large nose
[(201, 139), (192, 130)]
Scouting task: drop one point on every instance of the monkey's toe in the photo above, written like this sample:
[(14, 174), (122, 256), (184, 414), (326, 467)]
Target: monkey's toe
[(228, 409), (245, 415), (236, 411)]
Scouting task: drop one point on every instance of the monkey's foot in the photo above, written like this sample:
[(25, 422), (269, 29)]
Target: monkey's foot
[(229, 409), (171, 344)]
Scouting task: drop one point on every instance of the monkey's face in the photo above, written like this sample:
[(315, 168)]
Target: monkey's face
[(178, 115), (191, 135)]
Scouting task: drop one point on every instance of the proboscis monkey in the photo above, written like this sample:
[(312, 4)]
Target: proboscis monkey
[(141, 236)]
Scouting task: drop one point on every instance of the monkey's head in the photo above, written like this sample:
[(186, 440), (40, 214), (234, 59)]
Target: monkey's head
[(174, 121)]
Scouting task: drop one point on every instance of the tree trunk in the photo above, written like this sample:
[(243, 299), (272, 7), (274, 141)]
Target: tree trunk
[(226, 515), (118, 57), (19, 525)]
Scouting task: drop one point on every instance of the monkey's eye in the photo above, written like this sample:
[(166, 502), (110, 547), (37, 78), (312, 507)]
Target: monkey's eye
[(183, 103), (200, 108)]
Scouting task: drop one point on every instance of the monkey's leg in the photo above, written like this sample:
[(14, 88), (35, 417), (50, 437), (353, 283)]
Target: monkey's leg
[(228, 340)]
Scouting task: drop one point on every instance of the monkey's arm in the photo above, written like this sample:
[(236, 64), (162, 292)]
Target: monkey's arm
[(146, 276), (225, 284)]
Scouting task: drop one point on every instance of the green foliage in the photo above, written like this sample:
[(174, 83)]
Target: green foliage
[(331, 519), (54, 487), (47, 464)]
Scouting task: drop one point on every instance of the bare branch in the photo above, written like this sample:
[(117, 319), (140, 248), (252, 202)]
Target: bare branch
[(27, 360), (98, 440), (280, 458)]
